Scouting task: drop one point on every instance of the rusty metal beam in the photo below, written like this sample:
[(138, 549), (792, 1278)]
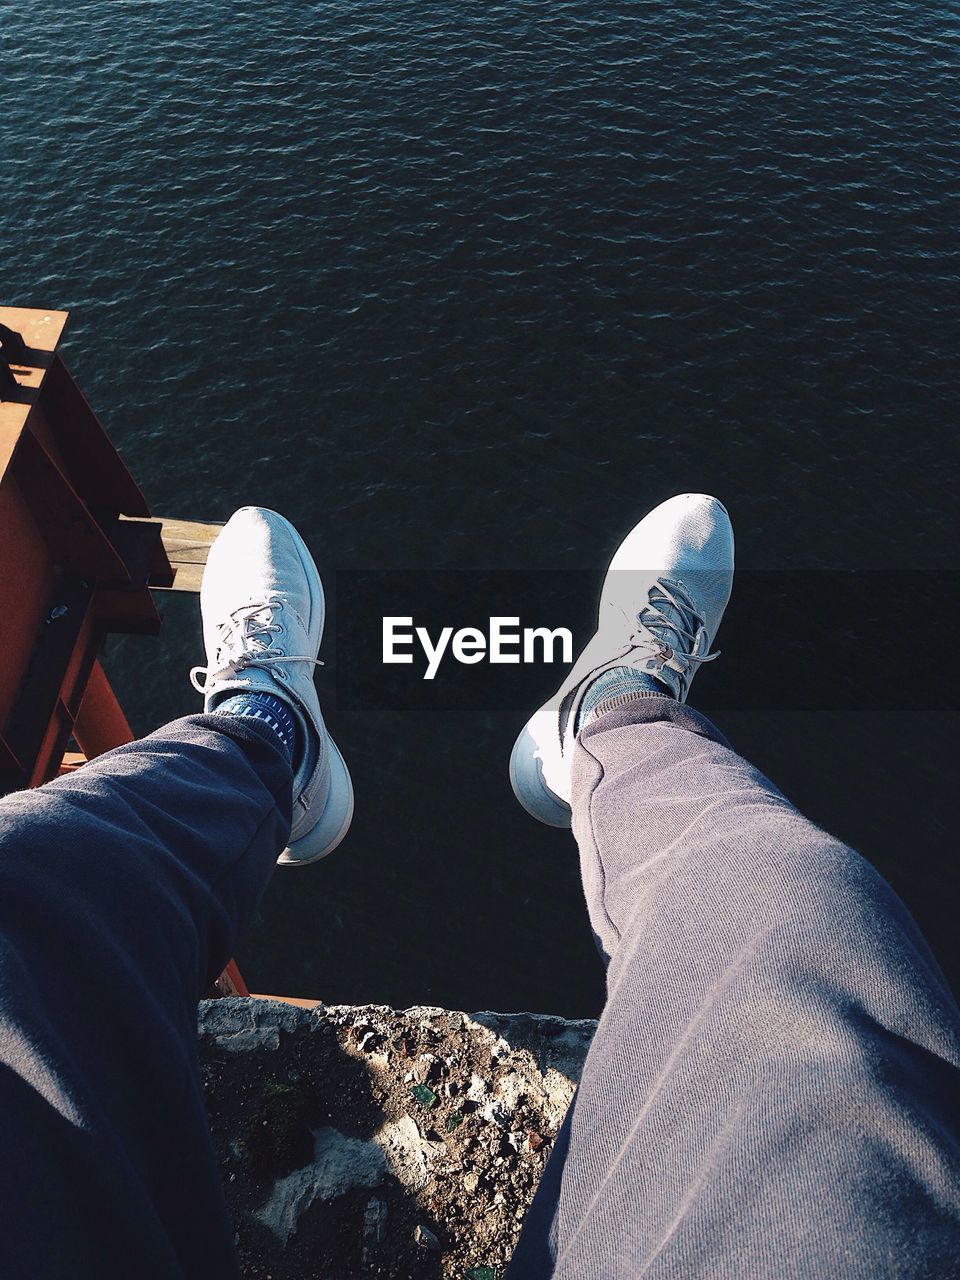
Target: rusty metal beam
[(100, 724)]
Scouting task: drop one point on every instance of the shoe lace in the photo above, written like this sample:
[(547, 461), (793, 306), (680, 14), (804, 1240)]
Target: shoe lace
[(244, 640), (690, 641)]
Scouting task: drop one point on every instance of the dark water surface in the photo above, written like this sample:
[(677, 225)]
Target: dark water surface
[(473, 285)]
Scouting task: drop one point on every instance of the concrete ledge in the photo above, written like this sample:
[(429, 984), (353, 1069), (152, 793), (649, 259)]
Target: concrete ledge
[(360, 1141)]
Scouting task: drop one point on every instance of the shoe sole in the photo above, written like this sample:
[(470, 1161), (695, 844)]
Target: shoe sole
[(529, 787), (333, 823)]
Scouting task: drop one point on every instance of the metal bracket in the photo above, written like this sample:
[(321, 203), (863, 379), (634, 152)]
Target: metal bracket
[(12, 347)]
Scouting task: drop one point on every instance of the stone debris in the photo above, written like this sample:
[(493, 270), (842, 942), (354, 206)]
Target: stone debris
[(410, 1157), (425, 1237), (477, 1089), (336, 1162), (339, 1164), (374, 1224)]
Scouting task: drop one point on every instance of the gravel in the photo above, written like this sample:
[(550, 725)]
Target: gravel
[(363, 1141)]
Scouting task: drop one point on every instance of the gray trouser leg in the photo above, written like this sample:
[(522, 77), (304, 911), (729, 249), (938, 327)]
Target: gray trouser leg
[(774, 1087)]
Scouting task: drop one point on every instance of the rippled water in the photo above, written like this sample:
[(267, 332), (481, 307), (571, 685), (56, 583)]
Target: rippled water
[(476, 284)]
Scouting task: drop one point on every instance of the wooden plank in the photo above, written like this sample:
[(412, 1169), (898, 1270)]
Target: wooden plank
[(187, 544), (71, 762)]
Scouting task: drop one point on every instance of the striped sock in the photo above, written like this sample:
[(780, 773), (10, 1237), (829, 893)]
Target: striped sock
[(271, 711), (613, 682)]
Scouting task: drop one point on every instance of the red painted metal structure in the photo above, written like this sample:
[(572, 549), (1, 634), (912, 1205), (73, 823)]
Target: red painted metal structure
[(71, 570)]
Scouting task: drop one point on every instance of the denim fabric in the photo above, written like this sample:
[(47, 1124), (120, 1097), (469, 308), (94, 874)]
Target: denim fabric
[(773, 1091), (122, 890)]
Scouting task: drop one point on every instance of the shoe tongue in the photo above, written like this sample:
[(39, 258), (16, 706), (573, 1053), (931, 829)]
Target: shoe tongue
[(656, 617), (247, 680), (257, 678)]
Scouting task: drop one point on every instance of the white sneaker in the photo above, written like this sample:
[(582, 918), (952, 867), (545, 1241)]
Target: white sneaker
[(660, 606), (262, 606)]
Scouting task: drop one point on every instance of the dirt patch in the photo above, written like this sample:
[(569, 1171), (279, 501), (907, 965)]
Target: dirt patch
[(367, 1142)]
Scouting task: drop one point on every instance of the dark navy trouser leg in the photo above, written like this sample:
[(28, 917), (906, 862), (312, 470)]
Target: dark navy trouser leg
[(122, 890), (773, 1091)]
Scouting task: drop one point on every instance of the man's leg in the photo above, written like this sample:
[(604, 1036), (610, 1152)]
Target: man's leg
[(774, 1087), (122, 890)]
